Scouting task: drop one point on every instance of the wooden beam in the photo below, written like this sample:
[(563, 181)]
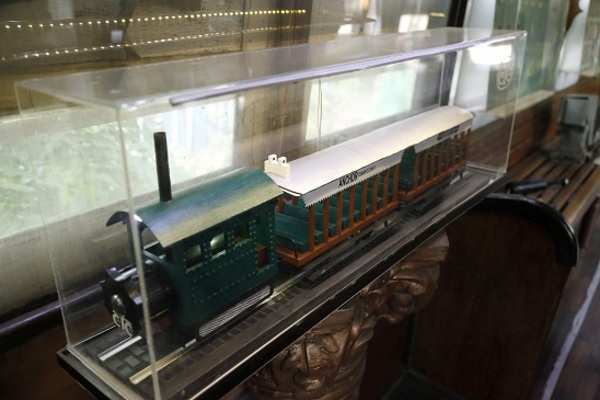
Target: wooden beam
[(325, 221), (374, 187), (351, 207), (446, 155), (436, 160), (363, 200), (428, 166), (338, 213), (386, 177), (396, 183)]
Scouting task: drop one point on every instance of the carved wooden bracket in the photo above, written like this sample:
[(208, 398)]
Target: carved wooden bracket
[(328, 362)]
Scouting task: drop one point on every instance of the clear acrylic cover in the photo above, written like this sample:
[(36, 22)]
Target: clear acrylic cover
[(545, 23), (219, 200)]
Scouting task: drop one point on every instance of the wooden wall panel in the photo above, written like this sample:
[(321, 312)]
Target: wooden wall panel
[(31, 371), (499, 290)]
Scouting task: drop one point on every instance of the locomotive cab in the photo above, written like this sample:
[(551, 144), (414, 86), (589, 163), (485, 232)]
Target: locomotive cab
[(213, 257)]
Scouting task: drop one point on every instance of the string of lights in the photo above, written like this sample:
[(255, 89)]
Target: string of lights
[(23, 25), (94, 49)]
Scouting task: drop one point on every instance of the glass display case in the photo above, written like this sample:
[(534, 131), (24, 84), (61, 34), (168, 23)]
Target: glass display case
[(579, 49), (48, 37), (220, 202), (590, 63), (45, 37)]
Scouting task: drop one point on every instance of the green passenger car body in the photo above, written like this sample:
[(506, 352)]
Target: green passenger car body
[(292, 221), (407, 169)]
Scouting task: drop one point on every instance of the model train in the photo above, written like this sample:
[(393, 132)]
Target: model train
[(218, 245)]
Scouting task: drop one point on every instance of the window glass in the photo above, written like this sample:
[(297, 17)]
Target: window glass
[(193, 256), (544, 22), (218, 245)]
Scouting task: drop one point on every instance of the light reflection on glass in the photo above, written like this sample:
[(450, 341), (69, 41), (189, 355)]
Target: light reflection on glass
[(50, 162), (413, 22), (384, 94), (572, 51), (491, 55), (393, 16)]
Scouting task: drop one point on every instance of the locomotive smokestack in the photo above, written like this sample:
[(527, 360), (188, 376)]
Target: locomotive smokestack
[(162, 166)]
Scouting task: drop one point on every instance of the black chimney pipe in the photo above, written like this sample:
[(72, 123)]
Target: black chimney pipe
[(162, 166)]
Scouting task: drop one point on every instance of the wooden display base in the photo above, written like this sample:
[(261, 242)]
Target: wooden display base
[(328, 362)]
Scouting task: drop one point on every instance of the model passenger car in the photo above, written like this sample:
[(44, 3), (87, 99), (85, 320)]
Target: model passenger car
[(335, 192)]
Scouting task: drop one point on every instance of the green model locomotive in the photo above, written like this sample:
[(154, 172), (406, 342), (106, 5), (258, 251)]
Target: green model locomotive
[(214, 255), (218, 246)]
